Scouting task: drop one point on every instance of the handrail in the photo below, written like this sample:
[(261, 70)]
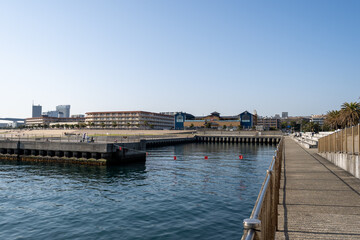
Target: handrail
[(265, 209)]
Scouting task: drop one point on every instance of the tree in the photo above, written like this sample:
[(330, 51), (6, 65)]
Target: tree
[(284, 125), (224, 127), (350, 113), (311, 127), (102, 125), (114, 124), (333, 119)]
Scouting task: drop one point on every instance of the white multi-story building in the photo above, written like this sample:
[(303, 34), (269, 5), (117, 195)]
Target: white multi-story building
[(319, 119), (129, 120)]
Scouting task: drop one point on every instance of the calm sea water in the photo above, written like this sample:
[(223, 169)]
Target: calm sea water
[(187, 198)]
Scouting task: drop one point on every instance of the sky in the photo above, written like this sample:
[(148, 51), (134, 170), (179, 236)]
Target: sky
[(300, 56)]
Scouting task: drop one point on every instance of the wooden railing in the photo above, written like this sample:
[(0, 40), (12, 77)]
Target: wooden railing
[(344, 141)]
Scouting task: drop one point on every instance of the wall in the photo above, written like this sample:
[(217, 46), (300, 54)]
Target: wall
[(348, 162)]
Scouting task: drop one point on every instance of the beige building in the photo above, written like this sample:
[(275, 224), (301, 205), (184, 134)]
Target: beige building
[(268, 123), (52, 120), (129, 120)]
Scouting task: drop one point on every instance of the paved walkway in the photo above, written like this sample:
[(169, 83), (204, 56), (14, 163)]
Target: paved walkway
[(317, 199)]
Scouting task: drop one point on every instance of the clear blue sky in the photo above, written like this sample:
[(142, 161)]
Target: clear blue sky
[(180, 55)]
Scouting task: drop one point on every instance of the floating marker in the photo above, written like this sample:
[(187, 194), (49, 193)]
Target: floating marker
[(241, 156), (206, 157), (147, 153), (174, 157), (120, 148)]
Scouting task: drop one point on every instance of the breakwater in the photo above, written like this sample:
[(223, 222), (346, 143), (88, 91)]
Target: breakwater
[(107, 153), (239, 139), (69, 152)]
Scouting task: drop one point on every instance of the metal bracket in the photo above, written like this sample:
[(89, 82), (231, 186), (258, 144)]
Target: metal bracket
[(251, 223)]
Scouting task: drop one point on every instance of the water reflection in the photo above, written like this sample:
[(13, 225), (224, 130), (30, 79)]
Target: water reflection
[(188, 198), (77, 172)]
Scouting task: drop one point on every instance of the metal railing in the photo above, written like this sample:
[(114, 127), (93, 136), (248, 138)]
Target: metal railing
[(263, 220), (344, 141)]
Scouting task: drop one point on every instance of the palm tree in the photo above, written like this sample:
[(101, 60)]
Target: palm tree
[(350, 113), (333, 119)]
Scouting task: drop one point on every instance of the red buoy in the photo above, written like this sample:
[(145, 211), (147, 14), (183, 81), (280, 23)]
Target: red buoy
[(241, 156), (206, 157), (120, 148), (174, 157)]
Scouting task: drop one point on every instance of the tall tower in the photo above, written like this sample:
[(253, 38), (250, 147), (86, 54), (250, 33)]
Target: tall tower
[(64, 110), (36, 111)]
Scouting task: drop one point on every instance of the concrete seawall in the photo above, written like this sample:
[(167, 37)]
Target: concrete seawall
[(348, 162), (60, 152), (239, 139)]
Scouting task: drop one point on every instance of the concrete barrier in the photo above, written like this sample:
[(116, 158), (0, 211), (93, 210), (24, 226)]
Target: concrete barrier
[(82, 153), (348, 162)]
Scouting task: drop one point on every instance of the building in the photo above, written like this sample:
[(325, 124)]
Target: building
[(247, 120), (179, 118), (318, 119), (78, 116), (64, 110), (45, 120), (268, 123), (214, 120), (244, 120), (53, 114), (129, 120), (36, 110), (284, 115)]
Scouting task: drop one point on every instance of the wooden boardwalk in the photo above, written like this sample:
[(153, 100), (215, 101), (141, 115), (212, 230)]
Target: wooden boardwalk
[(317, 199)]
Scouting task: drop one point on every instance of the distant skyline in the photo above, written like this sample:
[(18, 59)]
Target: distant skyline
[(301, 57)]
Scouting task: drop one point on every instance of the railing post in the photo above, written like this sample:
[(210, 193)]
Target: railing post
[(353, 140), (252, 224), (342, 141), (335, 149), (359, 139), (345, 140)]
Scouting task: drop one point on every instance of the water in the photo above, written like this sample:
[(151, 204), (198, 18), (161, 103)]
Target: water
[(187, 198)]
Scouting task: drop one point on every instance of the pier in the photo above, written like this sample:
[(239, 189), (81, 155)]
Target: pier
[(318, 200), (239, 139)]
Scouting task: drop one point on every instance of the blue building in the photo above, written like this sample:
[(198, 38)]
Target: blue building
[(246, 120), (179, 120)]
